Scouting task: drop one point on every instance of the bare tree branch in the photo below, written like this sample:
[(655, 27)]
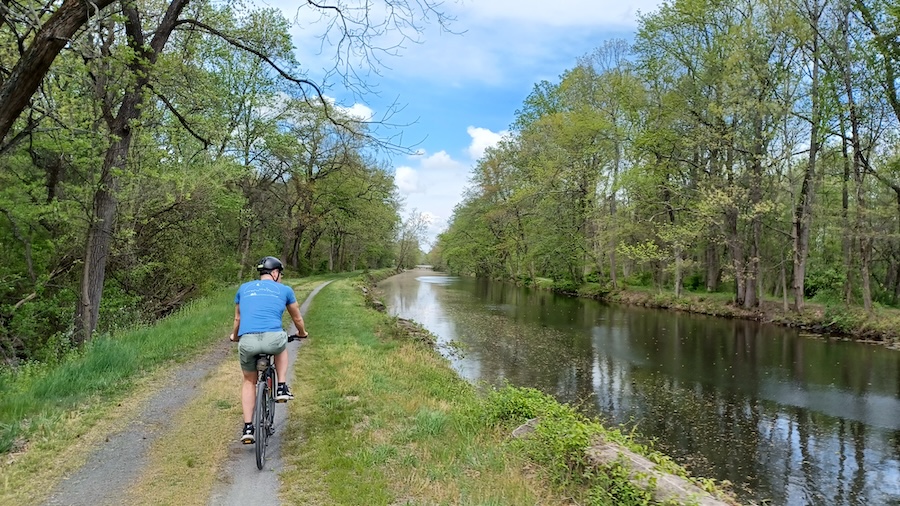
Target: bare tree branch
[(181, 119)]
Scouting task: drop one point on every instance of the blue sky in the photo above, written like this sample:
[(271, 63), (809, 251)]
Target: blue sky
[(461, 91)]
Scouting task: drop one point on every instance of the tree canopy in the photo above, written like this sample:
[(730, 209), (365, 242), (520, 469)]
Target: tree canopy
[(741, 145), (152, 150)]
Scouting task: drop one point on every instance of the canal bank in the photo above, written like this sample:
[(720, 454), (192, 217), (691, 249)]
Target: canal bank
[(881, 326), (380, 417), (787, 419)]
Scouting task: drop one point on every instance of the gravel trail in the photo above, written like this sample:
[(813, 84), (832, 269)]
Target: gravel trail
[(117, 463)]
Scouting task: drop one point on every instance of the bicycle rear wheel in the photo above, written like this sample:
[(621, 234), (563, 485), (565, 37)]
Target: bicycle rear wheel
[(270, 402), (260, 417)]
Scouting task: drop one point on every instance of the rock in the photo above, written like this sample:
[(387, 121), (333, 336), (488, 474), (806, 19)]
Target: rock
[(525, 429), (668, 488)]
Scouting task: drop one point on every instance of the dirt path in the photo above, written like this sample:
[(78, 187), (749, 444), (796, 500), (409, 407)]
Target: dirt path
[(120, 460)]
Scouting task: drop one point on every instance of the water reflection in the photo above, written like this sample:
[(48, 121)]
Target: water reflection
[(787, 419)]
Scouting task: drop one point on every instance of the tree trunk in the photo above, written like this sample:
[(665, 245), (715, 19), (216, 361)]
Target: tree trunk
[(99, 239), (613, 209), (713, 272), (246, 235), (859, 170), (754, 272), (784, 294), (803, 210), (100, 230), (26, 76), (847, 237), (679, 272), (736, 251)]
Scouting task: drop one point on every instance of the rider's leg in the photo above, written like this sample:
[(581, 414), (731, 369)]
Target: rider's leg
[(248, 395), (281, 365)]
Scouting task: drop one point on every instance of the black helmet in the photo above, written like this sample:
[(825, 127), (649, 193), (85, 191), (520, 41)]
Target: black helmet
[(269, 264)]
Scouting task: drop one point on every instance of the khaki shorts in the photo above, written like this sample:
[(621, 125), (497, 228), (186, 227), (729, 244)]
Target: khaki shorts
[(252, 345)]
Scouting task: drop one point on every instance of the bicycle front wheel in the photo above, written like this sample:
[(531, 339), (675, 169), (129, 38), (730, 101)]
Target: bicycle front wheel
[(260, 417)]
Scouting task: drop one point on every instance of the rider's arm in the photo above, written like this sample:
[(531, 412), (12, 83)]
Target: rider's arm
[(294, 310), (237, 323)]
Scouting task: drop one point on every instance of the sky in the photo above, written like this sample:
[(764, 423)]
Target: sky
[(456, 93)]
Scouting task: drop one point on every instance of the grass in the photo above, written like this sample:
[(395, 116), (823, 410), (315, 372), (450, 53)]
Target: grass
[(51, 417), (379, 419), (107, 367)]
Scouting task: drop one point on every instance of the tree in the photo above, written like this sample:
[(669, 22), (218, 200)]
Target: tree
[(135, 61), (411, 235), (45, 32)]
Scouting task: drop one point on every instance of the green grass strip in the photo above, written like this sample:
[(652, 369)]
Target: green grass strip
[(35, 397), (382, 419)]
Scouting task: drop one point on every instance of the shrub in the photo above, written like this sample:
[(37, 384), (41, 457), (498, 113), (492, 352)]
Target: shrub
[(694, 282), (639, 279), (559, 443), (841, 319), (824, 283), (593, 290), (565, 286)]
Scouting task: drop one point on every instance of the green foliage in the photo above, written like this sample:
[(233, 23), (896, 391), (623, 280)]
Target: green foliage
[(840, 319), (35, 396), (39, 329), (640, 278), (825, 284), (566, 286), (511, 406), (694, 282), (613, 487), (559, 442), (218, 174), (593, 290)]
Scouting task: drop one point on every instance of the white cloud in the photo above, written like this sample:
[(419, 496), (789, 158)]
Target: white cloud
[(489, 41), (482, 139), (558, 13), (358, 111), (441, 161), (406, 179), (432, 184)]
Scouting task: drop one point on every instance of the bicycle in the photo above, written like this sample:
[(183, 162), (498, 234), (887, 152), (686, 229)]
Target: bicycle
[(264, 408)]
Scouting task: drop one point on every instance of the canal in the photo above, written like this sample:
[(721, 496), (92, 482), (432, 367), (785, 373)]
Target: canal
[(788, 419)]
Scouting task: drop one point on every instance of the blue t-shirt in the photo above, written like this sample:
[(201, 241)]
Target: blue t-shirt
[(262, 305)]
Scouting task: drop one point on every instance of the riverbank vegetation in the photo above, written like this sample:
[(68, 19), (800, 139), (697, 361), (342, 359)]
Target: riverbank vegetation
[(819, 317), (749, 151)]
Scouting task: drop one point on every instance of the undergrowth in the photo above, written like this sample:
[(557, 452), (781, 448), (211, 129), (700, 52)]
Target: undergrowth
[(559, 442)]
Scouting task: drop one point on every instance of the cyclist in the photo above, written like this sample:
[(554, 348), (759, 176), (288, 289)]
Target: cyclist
[(259, 307)]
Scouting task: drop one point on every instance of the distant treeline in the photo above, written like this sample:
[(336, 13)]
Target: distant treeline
[(738, 145)]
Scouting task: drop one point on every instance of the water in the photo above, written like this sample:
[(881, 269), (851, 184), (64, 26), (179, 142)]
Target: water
[(788, 419)]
